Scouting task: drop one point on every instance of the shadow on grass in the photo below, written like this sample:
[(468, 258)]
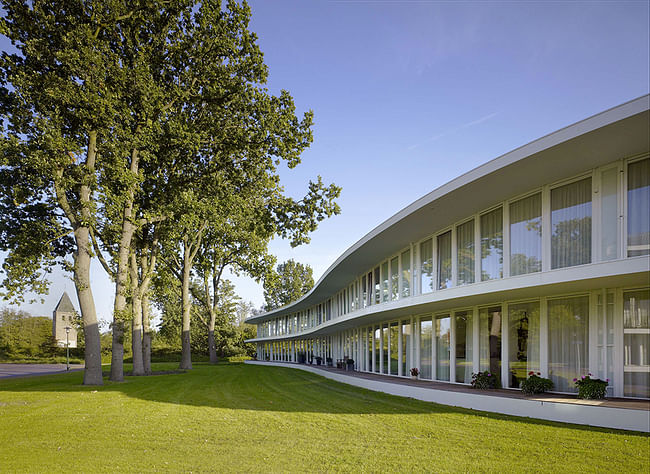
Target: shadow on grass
[(239, 386)]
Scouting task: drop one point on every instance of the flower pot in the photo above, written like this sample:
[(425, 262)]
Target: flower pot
[(414, 377)]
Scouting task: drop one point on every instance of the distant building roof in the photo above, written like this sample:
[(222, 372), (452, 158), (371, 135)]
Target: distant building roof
[(65, 305)]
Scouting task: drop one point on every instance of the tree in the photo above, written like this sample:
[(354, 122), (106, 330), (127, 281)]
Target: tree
[(289, 283), (22, 334)]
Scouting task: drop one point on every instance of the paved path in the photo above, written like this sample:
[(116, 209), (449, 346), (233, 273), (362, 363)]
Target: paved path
[(27, 370)]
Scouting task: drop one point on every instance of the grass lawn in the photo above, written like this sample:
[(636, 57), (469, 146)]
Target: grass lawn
[(236, 417)]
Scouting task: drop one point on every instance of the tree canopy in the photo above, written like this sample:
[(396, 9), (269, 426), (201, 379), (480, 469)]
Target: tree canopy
[(288, 283)]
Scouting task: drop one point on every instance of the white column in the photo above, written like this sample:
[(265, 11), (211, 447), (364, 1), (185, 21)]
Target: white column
[(619, 362), (434, 349), (382, 348), (546, 229), (506, 240)]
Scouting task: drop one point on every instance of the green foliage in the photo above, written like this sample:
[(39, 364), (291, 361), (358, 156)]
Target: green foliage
[(536, 384), (23, 335), (485, 380), (591, 389), (289, 283)]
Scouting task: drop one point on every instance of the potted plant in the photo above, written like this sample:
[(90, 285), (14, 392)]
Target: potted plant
[(485, 380), (319, 359), (535, 383), (591, 389), (415, 373), (349, 364)]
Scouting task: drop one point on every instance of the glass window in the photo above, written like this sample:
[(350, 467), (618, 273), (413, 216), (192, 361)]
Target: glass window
[(384, 282), (465, 256), (394, 348), (492, 245), (369, 349), (394, 278), (364, 295), (377, 287), (406, 348), (426, 266), (464, 359), (523, 344), (443, 345), (568, 341), (489, 340), (377, 349), (406, 274), (636, 342), (526, 235), (425, 348), (609, 214), (384, 348), (571, 224), (444, 260), (638, 208)]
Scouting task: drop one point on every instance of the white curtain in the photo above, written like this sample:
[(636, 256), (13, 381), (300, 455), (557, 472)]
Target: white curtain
[(465, 239), (638, 208), (442, 347), (571, 224), (492, 245), (568, 341), (425, 348), (526, 235)]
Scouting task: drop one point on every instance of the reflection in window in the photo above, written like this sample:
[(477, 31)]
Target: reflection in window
[(489, 344), (394, 348), (377, 286), (394, 278), (465, 256), (523, 346), (406, 348), (638, 208), (571, 224), (492, 245), (464, 359), (426, 266), (568, 336), (384, 282), (444, 260), (443, 345), (406, 274), (526, 235), (425, 348)]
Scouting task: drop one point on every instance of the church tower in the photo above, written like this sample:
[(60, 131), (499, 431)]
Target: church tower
[(62, 317)]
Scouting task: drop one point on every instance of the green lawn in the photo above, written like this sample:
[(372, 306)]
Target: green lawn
[(241, 418)]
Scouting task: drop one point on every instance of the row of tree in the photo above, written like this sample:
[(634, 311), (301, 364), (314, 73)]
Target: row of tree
[(141, 134)]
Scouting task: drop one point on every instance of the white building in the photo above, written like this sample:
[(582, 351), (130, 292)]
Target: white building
[(537, 260)]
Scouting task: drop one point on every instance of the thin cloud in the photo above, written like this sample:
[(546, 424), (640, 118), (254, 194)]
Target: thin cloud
[(454, 130)]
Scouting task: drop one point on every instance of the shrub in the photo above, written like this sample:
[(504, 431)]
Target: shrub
[(415, 372), (536, 384), (485, 380), (591, 389)]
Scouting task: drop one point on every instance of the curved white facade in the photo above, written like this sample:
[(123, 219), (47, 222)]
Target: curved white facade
[(537, 260)]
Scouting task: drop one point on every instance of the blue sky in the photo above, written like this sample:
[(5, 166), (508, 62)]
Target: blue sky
[(407, 95)]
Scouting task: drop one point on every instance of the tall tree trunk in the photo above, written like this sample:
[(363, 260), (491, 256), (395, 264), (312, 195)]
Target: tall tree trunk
[(136, 321), (186, 351), (211, 344), (120, 313), (82, 258), (92, 350), (146, 338)]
